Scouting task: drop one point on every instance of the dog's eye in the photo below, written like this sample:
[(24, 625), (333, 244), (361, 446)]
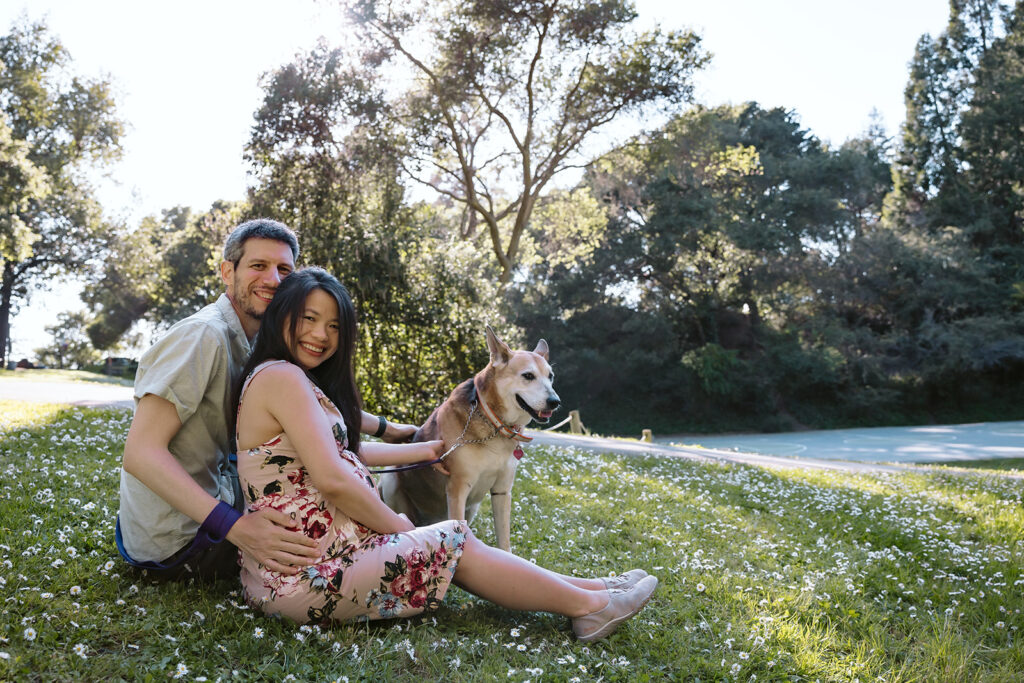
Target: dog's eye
[(529, 376)]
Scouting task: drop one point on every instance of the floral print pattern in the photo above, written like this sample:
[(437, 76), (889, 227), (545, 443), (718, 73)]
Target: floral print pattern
[(362, 574)]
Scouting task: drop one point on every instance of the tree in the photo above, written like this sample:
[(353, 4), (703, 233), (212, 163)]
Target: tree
[(731, 209), (54, 126), (720, 228), (992, 148), (422, 295), (70, 344), (163, 271), (930, 192), (22, 184), (502, 96)]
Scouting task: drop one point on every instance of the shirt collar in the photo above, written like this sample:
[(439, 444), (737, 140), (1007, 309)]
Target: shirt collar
[(230, 316)]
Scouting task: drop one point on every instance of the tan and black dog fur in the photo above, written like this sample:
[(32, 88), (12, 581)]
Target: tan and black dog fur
[(516, 385)]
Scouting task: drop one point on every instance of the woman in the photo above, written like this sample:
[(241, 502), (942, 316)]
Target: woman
[(299, 451)]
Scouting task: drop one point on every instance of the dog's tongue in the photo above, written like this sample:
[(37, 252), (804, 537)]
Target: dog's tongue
[(545, 413)]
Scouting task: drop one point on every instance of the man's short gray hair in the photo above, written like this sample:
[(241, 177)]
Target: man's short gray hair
[(263, 228)]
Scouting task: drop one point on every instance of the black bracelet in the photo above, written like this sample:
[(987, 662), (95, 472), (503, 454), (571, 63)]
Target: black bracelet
[(381, 428)]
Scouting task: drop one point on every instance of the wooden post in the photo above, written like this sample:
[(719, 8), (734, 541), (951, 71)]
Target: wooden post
[(647, 436), (575, 424)]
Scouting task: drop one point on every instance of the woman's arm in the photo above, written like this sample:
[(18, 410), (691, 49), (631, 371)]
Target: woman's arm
[(283, 392), (378, 454)]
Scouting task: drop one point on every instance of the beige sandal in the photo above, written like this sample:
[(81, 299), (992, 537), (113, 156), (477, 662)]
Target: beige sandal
[(623, 603), (624, 580)]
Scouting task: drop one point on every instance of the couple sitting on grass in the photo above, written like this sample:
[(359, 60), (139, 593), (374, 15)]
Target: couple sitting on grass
[(317, 543)]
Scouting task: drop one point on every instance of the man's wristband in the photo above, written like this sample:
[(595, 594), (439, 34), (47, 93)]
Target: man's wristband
[(381, 427), (219, 522)]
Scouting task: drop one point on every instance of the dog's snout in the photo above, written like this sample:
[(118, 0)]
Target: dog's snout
[(554, 402)]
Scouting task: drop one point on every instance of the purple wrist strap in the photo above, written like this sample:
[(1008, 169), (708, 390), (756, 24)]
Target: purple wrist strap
[(219, 522), (214, 529)]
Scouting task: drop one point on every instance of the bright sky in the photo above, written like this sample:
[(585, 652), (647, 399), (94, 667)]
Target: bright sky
[(187, 76)]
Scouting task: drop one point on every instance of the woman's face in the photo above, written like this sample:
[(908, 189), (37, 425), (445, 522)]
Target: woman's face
[(316, 337)]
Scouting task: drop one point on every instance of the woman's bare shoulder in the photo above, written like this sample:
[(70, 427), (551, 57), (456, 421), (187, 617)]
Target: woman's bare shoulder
[(280, 377)]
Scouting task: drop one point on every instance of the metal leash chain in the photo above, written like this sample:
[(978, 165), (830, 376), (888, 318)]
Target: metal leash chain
[(458, 442)]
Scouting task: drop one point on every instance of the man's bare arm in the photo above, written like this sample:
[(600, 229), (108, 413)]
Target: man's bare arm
[(396, 432), (267, 535)]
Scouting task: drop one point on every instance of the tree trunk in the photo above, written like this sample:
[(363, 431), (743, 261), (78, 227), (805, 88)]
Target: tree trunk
[(6, 294), (754, 313)]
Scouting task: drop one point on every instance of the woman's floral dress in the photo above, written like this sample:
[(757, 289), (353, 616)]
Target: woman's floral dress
[(361, 574)]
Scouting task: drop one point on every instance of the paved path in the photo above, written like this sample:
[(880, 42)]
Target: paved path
[(76, 393), (633, 447), (923, 443)]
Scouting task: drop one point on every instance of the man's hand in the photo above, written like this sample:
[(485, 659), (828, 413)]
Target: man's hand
[(273, 538), (399, 433)]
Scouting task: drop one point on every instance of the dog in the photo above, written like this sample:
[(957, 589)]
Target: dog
[(481, 424)]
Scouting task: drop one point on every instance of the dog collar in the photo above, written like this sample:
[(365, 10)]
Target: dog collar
[(508, 431)]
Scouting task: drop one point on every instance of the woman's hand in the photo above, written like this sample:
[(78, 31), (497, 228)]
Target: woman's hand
[(377, 454), (435, 449), (410, 525)]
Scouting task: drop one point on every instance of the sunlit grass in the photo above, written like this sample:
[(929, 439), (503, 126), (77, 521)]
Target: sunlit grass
[(999, 464), (765, 575), (53, 375), (14, 414)]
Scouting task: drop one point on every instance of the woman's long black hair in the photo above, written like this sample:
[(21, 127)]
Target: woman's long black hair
[(336, 375)]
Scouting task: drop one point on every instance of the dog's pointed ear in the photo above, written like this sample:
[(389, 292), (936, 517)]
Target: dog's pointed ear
[(542, 349), (500, 351)]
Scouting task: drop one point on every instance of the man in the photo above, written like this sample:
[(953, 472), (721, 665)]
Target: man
[(180, 496)]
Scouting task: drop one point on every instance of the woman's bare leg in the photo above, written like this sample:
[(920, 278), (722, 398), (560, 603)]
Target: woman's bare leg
[(510, 581), (580, 582)]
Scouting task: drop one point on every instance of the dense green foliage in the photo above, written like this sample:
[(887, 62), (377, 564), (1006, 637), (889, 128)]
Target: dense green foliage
[(53, 125), (782, 575), (723, 233)]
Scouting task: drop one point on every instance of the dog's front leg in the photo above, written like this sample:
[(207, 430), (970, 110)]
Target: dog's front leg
[(501, 508), (457, 491)]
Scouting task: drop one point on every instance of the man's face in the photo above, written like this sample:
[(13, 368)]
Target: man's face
[(252, 283)]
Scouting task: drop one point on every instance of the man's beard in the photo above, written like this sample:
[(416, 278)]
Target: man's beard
[(245, 302)]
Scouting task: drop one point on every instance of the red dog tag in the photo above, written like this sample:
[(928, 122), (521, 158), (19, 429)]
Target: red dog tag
[(518, 452)]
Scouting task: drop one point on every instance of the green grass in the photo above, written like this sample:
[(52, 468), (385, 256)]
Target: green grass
[(765, 575), (52, 375)]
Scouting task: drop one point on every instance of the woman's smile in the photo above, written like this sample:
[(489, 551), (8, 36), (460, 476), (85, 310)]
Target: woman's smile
[(313, 349), (317, 332)]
